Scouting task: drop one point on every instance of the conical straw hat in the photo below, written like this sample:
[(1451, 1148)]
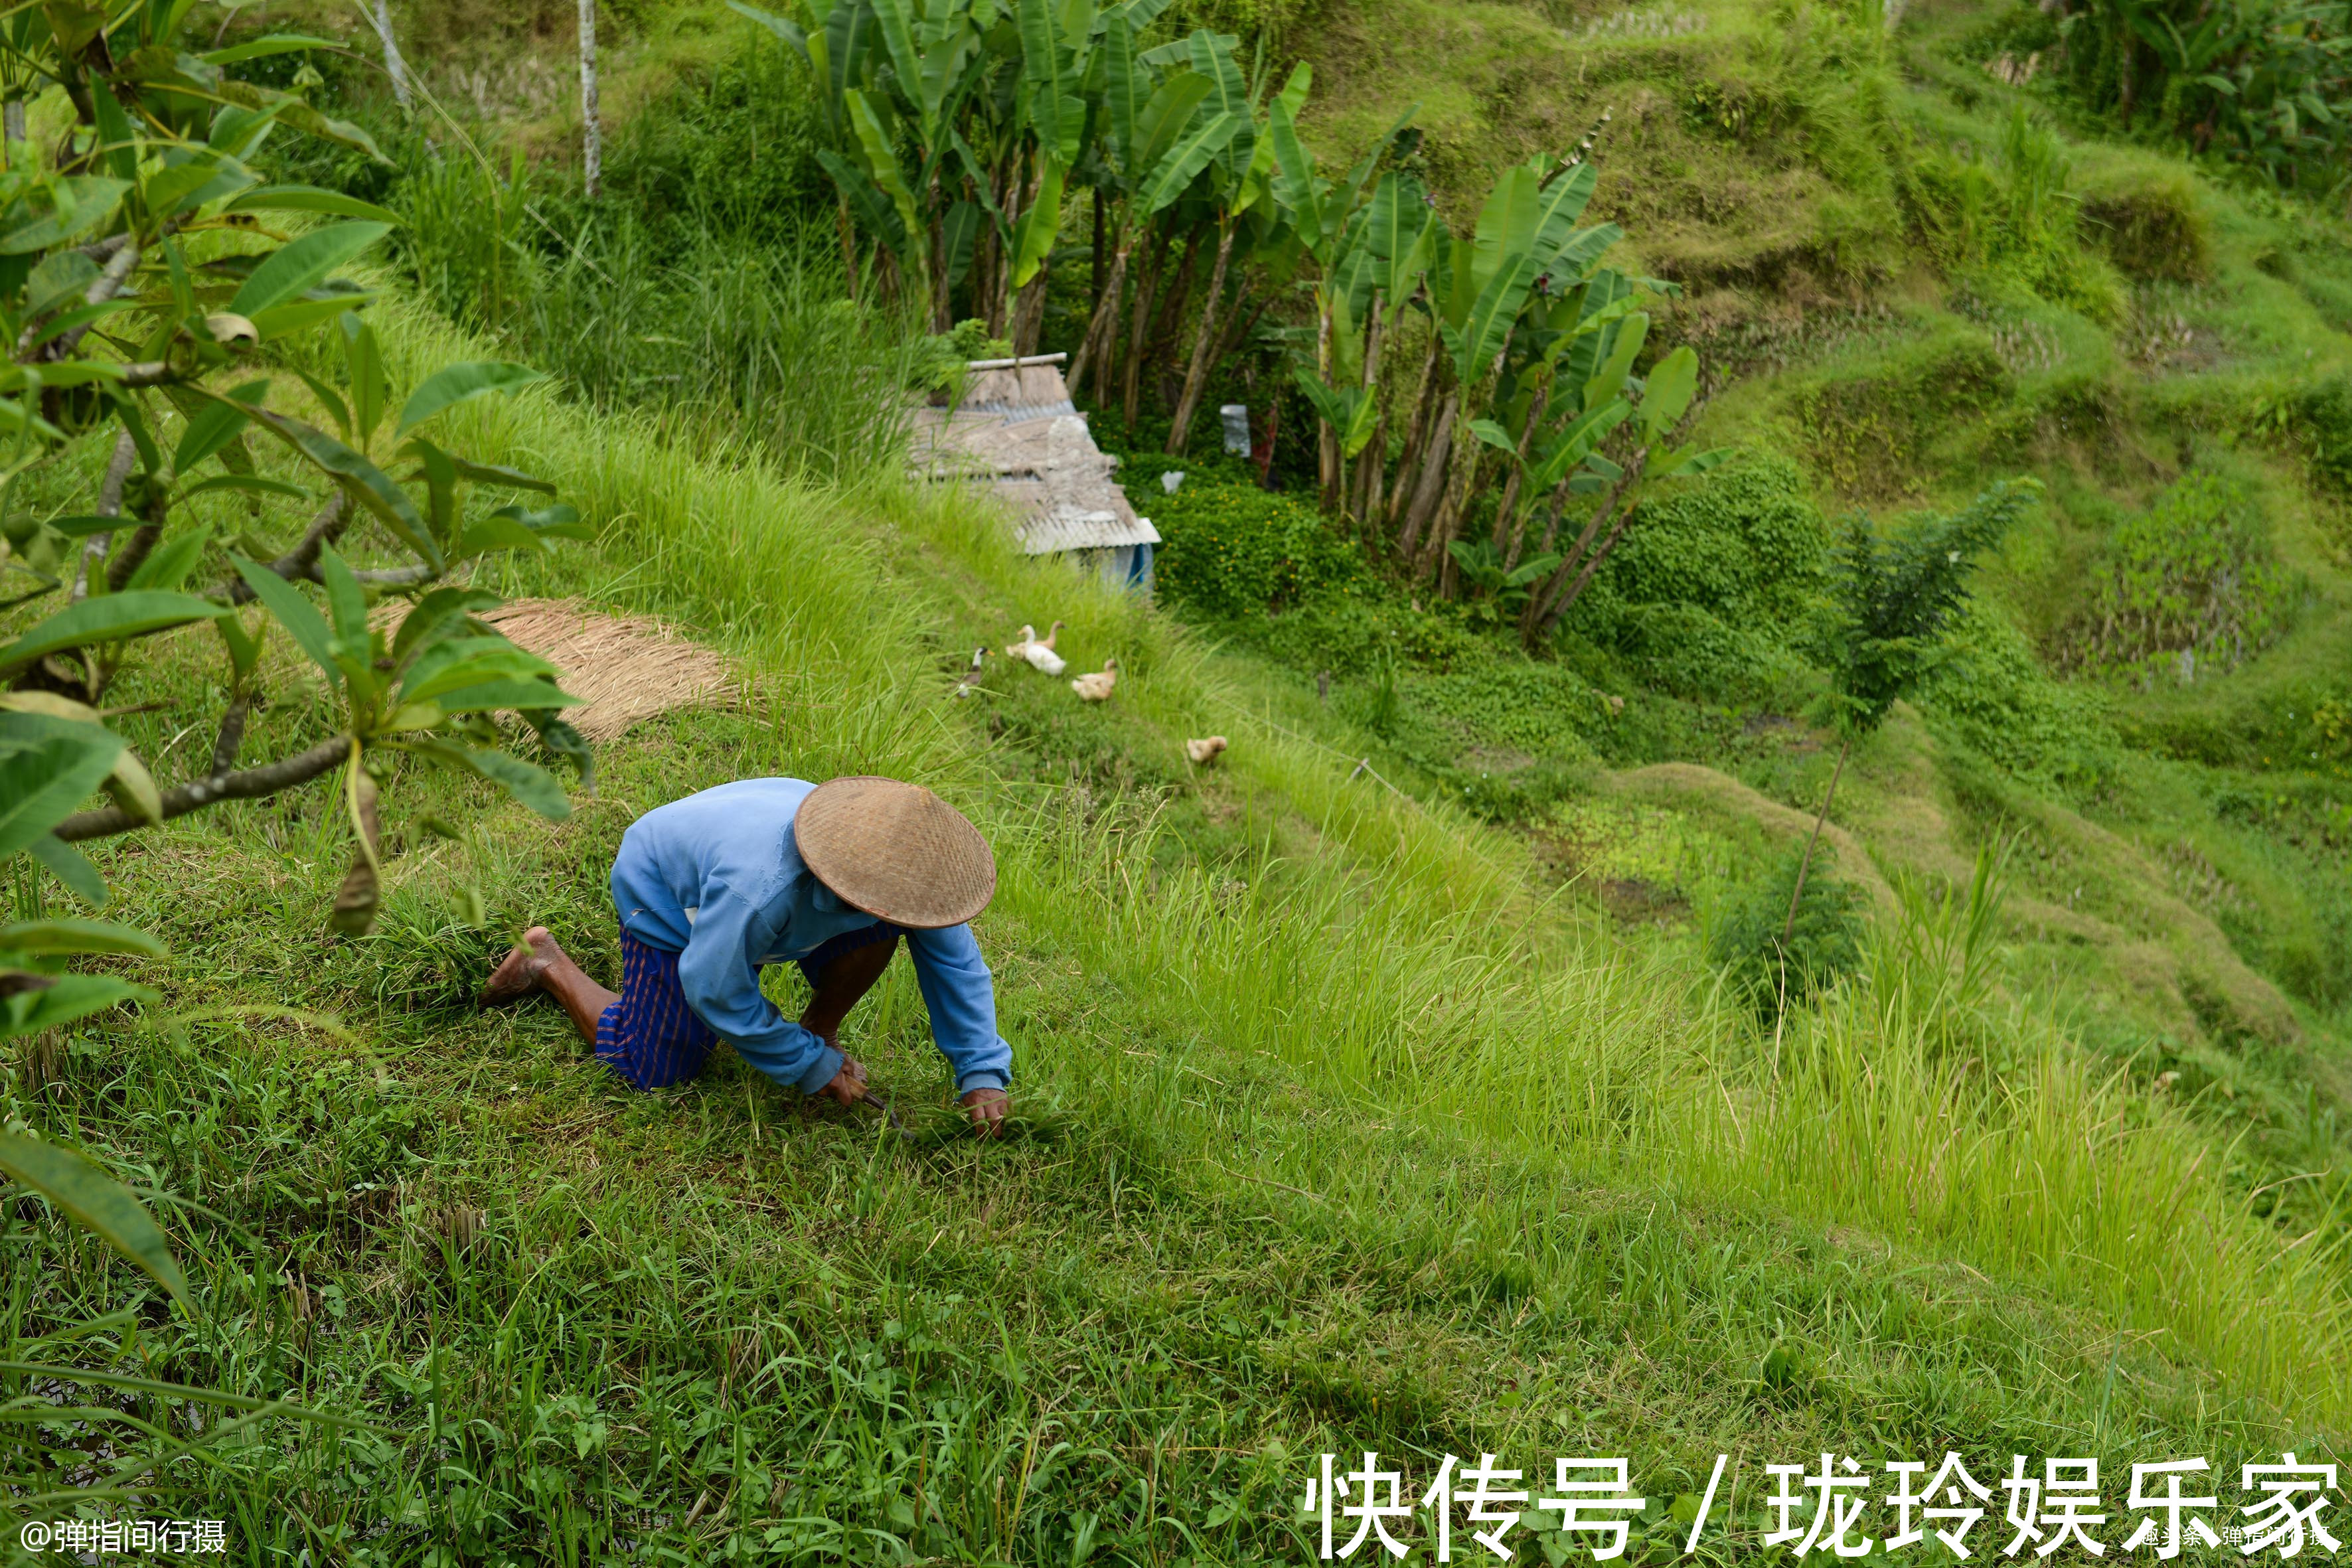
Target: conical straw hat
[(896, 850)]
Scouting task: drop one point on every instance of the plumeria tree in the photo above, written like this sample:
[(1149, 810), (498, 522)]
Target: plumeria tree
[(164, 303)]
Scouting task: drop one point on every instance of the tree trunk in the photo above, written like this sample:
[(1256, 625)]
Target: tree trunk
[(1462, 478), (1094, 349), (1509, 538), (1417, 432), (1095, 275), (1545, 610), (1430, 485), (1368, 474), (943, 308), (394, 65), (1805, 861), (591, 131), (1029, 313), (1327, 439), (1131, 391), (1205, 343), (1169, 319), (1551, 526)]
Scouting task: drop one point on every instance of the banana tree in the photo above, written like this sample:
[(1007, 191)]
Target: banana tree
[(1237, 181), (1153, 147), (1328, 220), (1527, 232), (1660, 401)]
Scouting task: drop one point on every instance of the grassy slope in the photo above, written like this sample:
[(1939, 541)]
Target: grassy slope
[(2180, 912), (1233, 1232), (1464, 1187)]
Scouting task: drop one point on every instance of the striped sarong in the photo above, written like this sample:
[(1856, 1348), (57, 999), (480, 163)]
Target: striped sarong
[(653, 1037)]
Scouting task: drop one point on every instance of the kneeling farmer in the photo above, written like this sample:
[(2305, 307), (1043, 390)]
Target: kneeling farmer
[(831, 876)]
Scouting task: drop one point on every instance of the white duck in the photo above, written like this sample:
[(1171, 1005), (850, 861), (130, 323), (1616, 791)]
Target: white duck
[(1096, 687), (1041, 655), (1038, 656)]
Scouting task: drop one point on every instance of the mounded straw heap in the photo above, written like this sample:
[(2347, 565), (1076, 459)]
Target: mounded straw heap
[(625, 669)]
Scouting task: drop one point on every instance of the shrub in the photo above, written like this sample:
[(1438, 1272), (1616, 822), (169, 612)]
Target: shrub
[(2189, 581), (2323, 417), (1824, 943), (1230, 550), (1995, 696), (2151, 221), (1863, 433)]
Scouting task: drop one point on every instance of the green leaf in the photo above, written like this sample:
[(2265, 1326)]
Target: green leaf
[(287, 606), (71, 867), (1033, 236), (76, 936), (790, 32), (436, 616), (93, 1198), (1494, 436), (298, 315), (69, 208), (48, 768), (250, 484), (519, 696), (881, 160), (1171, 110), (364, 362), (458, 661), (170, 564), (1625, 343), (1127, 87), (456, 383), (217, 424), (268, 44), (363, 478), (111, 617), (309, 199), (1194, 151), (300, 266), (1673, 382), (244, 647), (345, 600), (492, 474), (529, 784)]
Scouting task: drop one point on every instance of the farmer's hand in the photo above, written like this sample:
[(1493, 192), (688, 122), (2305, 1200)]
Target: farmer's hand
[(848, 1085), (986, 1107)]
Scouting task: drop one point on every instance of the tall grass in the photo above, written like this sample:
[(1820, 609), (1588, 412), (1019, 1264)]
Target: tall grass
[(1405, 966)]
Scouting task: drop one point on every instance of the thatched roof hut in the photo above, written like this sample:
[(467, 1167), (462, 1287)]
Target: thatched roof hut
[(1017, 428)]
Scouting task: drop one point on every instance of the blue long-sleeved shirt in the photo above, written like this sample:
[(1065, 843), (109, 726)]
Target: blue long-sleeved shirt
[(718, 880)]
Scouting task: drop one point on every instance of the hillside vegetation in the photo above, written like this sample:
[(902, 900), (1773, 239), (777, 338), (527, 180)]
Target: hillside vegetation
[(1395, 1084)]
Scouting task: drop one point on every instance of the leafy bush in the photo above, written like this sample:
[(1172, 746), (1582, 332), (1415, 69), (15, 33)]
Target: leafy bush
[(2191, 581), (2322, 414), (1862, 432), (939, 360), (1994, 695), (1230, 550), (1744, 542), (2012, 214), (1714, 584), (2151, 221), (1824, 942), (2262, 82)]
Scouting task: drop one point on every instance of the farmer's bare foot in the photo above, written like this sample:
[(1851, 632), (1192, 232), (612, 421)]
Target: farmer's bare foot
[(520, 972)]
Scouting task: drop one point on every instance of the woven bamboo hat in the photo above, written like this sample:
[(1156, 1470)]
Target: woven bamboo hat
[(896, 850)]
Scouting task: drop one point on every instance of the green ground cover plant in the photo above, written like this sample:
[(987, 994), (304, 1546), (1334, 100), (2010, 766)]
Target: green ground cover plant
[(1383, 1085)]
